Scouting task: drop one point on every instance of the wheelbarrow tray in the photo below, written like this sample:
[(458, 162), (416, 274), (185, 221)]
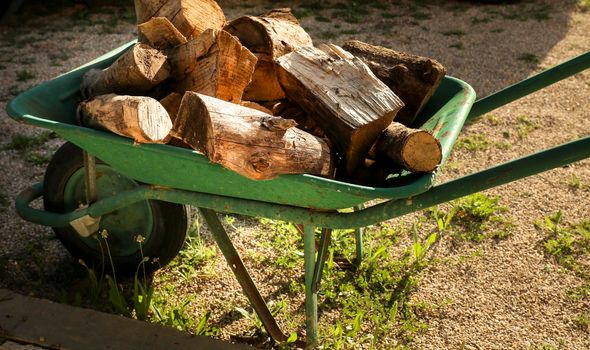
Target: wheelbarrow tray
[(53, 104)]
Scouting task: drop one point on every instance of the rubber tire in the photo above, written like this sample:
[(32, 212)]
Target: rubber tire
[(169, 229)]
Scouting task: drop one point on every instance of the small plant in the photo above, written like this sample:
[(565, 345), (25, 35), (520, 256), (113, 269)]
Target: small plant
[(473, 143), (584, 5), (24, 75), (458, 46), (455, 32), (528, 58), (583, 321)]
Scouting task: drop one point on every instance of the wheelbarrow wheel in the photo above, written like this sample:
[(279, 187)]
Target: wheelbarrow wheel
[(161, 225)]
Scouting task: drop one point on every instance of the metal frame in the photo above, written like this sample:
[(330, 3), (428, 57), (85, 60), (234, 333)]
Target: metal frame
[(310, 219)]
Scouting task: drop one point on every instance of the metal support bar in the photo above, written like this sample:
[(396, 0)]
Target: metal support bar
[(358, 238), (311, 296), (325, 240), (241, 273), (89, 177)]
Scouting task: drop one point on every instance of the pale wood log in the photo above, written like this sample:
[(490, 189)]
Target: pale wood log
[(345, 97), (249, 142), (269, 36), (413, 78), (160, 33), (136, 72), (183, 59), (414, 149), (224, 72), (190, 17), (141, 118)]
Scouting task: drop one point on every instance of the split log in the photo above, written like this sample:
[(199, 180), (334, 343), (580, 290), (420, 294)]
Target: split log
[(265, 84), (413, 78), (414, 149), (247, 141), (269, 36), (160, 33), (183, 59), (172, 103), (350, 104), (290, 110), (136, 72), (223, 72), (140, 118), (190, 17)]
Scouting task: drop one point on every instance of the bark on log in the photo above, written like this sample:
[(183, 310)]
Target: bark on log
[(140, 118), (190, 17), (269, 36), (160, 33), (350, 103), (414, 149), (247, 141), (224, 72), (413, 78), (136, 72)]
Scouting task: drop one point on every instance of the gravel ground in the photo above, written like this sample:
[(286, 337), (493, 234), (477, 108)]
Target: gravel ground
[(510, 295)]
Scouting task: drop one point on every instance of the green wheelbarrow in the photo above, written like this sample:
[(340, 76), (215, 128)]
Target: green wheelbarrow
[(100, 181)]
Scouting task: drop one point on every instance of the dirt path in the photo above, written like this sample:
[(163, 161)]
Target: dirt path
[(506, 294)]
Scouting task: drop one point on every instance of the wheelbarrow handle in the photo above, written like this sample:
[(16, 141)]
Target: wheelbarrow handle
[(530, 85)]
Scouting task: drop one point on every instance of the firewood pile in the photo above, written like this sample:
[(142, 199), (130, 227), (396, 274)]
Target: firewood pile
[(255, 95)]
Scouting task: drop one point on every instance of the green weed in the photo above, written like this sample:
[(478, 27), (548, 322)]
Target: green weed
[(583, 321), (455, 32), (195, 254), (584, 5), (24, 75), (458, 46), (473, 143), (528, 58), (575, 183), (567, 244), (473, 218), (321, 18)]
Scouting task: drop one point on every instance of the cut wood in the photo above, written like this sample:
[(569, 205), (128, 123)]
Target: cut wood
[(247, 141), (269, 36), (190, 17), (160, 33), (414, 149), (348, 101), (172, 103), (274, 34), (265, 84), (136, 72), (183, 59), (413, 78), (290, 110), (140, 118), (256, 106), (224, 72)]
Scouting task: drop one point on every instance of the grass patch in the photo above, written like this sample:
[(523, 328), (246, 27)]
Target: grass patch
[(584, 5), (320, 18), (473, 218), (24, 75), (473, 143), (27, 146), (525, 126), (583, 321), (575, 183), (567, 244)]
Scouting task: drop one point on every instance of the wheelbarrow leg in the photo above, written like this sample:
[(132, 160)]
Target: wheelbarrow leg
[(311, 295), (358, 237), (239, 270)]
